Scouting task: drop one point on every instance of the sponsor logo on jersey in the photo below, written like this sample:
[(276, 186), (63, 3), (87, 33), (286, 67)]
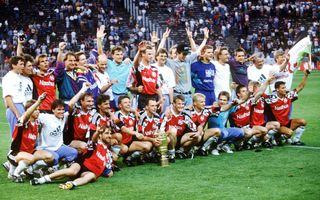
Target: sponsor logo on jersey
[(148, 80), (258, 111), (100, 156), (281, 107), (56, 132), (83, 126), (32, 136), (46, 83), (244, 115)]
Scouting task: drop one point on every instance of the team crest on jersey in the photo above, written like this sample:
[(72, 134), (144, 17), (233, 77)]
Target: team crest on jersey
[(51, 78), (201, 117), (154, 74), (180, 121), (285, 100), (130, 122)]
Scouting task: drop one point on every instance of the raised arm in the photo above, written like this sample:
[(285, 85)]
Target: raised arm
[(302, 84), (100, 36), (283, 66), (25, 117), (21, 40), (191, 40), (164, 39), (62, 46), (205, 38), (141, 47), (76, 98), (263, 88)]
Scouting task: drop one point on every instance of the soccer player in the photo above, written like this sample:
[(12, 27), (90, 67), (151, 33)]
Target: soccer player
[(228, 135), (144, 78), (52, 127), (240, 114), (79, 122), (166, 78), (178, 121), (238, 67), (126, 122), (65, 74), (103, 80), (222, 76), (23, 143), (258, 113), (203, 73), (12, 91), (89, 167), (280, 104), (44, 83)]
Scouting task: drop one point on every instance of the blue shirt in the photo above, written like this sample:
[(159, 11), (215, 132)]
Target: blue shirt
[(220, 121), (118, 72), (239, 72), (202, 75)]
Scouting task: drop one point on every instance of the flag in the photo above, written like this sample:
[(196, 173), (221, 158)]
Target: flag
[(298, 52)]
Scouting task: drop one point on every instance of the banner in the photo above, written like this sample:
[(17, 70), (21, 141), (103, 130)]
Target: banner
[(299, 53)]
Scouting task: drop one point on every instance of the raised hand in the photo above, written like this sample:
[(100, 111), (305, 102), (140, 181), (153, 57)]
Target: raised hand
[(100, 32), (62, 46), (206, 33), (189, 33), (154, 37), (167, 33)]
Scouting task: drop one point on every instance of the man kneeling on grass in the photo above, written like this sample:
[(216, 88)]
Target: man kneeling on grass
[(89, 167)]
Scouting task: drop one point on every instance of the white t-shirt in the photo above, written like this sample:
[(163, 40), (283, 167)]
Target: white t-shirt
[(261, 75), (12, 86), (222, 78), (166, 77), (104, 79), (51, 136), (286, 77), (27, 87)]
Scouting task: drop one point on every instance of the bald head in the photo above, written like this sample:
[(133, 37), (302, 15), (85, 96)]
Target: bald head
[(102, 62)]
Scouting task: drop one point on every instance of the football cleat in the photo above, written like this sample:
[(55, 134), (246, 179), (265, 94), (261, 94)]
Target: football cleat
[(66, 186), (226, 148), (180, 154), (128, 162), (215, 152), (6, 166), (298, 143), (202, 152), (17, 179)]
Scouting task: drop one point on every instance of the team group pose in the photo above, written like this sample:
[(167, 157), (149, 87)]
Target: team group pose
[(82, 117)]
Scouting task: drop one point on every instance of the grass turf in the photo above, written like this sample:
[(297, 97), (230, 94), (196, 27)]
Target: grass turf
[(280, 173)]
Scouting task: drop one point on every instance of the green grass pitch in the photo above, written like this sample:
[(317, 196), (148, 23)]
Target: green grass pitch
[(281, 173)]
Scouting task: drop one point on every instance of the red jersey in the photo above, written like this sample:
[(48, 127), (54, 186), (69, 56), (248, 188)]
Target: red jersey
[(147, 76), (24, 137), (148, 126), (182, 122), (257, 111), (128, 121), (79, 125), (45, 84), (97, 160), (201, 117), (241, 114), (281, 107)]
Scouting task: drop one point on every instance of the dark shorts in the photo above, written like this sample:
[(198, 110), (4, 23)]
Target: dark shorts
[(289, 124), (210, 96)]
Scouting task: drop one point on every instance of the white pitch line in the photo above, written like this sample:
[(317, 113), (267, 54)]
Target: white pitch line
[(303, 147)]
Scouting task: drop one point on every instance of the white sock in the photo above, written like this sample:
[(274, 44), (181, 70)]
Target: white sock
[(253, 139), (39, 164), (299, 133), (44, 179), (22, 165), (209, 142), (272, 132), (12, 168), (172, 152)]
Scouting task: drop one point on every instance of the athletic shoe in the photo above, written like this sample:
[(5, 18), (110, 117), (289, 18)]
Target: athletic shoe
[(115, 168), (35, 181), (140, 160), (226, 148), (6, 166), (191, 153), (248, 146), (172, 159), (267, 145), (128, 162), (66, 186), (289, 141), (180, 154), (215, 152), (298, 143), (202, 152), (17, 179)]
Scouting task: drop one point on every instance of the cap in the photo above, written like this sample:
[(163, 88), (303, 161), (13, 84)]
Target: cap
[(183, 48)]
